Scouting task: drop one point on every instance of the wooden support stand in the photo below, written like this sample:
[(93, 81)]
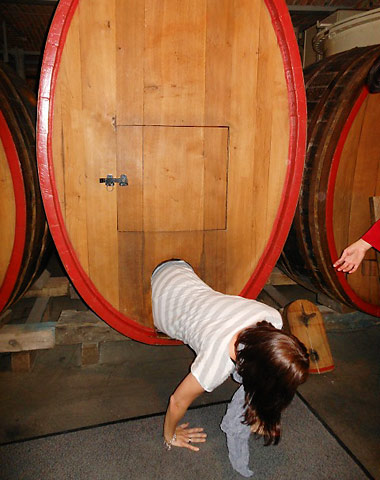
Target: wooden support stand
[(22, 341), (75, 327), (87, 329), (306, 323)]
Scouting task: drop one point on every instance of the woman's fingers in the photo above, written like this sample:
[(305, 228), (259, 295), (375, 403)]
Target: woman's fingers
[(348, 267), (352, 257), (189, 446), (345, 266), (187, 436)]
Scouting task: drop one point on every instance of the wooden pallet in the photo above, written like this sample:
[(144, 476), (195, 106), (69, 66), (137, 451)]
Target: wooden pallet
[(22, 341), (85, 328)]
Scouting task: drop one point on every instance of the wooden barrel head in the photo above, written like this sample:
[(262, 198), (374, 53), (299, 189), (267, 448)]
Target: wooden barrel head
[(306, 323), (200, 105)]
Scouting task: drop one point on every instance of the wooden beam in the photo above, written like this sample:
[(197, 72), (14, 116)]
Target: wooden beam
[(335, 305), (276, 295), (54, 287), (41, 280), (277, 277), (310, 9), (84, 327), (5, 316), (38, 309), (27, 336), (73, 294)]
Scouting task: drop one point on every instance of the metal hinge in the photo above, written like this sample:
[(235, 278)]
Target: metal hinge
[(110, 180)]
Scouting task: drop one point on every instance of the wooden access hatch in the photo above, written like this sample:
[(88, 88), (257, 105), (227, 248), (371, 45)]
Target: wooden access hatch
[(177, 178)]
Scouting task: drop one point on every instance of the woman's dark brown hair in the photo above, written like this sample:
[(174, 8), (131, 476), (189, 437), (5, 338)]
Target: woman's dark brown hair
[(272, 364)]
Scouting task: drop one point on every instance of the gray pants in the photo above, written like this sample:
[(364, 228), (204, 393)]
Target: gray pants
[(237, 433)]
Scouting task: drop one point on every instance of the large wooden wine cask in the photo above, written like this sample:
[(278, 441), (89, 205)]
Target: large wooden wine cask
[(342, 172), (200, 104), (23, 226)]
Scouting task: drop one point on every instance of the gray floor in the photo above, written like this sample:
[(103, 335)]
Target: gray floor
[(130, 450), (134, 380), (348, 399)]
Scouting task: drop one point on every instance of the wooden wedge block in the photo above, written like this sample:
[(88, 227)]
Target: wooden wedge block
[(90, 353), (54, 287), (306, 323)]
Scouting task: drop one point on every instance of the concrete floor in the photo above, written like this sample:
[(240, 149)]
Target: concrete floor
[(347, 399), (133, 380)]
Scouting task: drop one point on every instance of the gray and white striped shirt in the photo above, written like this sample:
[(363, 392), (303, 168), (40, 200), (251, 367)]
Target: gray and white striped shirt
[(187, 309)]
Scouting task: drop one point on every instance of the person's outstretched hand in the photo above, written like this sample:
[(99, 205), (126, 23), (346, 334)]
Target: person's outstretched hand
[(352, 257), (187, 436)]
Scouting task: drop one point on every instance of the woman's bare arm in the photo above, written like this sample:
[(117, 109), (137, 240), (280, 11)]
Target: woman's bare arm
[(187, 391)]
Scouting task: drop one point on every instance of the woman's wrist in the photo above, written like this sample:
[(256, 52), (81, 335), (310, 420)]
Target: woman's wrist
[(364, 244), (168, 443)]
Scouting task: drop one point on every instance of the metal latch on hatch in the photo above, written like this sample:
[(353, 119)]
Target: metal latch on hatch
[(110, 180)]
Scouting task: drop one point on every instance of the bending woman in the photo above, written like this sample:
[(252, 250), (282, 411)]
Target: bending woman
[(226, 332)]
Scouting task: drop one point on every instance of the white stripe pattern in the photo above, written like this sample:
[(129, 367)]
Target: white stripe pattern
[(187, 309)]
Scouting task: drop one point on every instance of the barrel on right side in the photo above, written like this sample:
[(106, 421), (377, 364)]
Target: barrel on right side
[(342, 172)]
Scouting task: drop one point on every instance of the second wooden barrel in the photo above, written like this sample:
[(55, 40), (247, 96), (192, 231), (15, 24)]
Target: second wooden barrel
[(169, 129), (24, 230), (342, 172)]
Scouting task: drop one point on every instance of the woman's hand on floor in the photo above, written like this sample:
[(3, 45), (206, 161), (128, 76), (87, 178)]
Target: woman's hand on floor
[(185, 437)]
